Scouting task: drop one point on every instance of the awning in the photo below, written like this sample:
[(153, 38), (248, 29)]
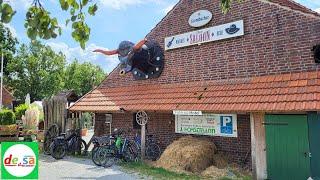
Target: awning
[(293, 92)]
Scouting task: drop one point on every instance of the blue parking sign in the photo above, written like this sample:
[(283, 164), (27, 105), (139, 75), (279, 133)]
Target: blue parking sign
[(226, 123)]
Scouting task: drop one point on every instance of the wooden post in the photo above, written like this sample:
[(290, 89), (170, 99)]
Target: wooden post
[(143, 141), (258, 146)]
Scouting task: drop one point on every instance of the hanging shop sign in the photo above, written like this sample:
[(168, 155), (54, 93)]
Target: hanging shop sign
[(207, 124), (188, 113), (200, 18), (215, 33)]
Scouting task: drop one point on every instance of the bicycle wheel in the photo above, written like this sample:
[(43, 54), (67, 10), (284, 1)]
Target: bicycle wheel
[(129, 154), (58, 151), (110, 160), (108, 156), (82, 149), (153, 151), (95, 155), (50, 134)]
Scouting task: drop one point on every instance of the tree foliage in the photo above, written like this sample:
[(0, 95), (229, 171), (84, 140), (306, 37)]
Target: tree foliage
[(7, 45), (39, 23), (82, 77), (36, 70), (41, 72), (226, 5)]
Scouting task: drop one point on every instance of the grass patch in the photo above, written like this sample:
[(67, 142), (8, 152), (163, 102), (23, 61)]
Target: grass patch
[(156, 173)]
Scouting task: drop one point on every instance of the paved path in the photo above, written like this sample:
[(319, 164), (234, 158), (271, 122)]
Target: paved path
[(78, 168)]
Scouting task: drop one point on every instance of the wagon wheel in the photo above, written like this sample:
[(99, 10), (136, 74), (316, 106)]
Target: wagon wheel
[(142, 118), (50, 134)]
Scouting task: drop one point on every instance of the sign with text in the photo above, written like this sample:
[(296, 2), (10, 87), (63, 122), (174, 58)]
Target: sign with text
[(188, 113), (207, 124), (200, 18), (19, 160), (215, 33)]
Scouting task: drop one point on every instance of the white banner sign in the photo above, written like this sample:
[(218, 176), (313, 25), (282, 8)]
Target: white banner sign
[(225, 31), (188, 113), (207, 124)]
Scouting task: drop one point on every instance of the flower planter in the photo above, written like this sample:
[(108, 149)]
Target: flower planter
[(8, 130), (8, 133)]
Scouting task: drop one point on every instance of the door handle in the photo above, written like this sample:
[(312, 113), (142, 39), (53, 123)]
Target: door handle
[(307, 154)]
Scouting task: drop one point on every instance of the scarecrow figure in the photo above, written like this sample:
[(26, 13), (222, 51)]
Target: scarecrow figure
[(145, 59)]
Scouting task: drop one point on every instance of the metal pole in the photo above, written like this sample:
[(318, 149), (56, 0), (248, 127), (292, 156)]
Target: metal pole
[(1, 86)]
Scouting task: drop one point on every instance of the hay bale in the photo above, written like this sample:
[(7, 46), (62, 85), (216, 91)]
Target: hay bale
[(220, 160), (214, 172), (188, 154)]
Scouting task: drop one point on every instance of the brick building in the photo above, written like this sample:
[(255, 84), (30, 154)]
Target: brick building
[(266, 76)]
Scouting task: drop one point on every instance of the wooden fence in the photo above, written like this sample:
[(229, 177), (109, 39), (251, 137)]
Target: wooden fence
[(55, 112)]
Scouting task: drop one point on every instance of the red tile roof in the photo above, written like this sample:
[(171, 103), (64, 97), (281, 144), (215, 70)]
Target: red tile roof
[(276, 93), (295, 6)]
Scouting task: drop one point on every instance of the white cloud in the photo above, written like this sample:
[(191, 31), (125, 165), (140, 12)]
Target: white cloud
[(168, 8), (20, 4), (122, 4), (317, 10), (108, 63), (12, 30)]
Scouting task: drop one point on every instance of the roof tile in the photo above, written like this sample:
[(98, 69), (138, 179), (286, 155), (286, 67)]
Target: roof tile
[(285, 92)]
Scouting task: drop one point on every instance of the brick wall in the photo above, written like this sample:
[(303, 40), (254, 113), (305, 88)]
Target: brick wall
[(162, 125), (277, 40)]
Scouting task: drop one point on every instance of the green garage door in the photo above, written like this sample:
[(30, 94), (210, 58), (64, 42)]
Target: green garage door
[(287, 144)]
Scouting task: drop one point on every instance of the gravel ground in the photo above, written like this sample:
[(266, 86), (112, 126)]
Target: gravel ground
[(78, 168)]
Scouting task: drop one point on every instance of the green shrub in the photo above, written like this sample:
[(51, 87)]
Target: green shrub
[(7, 117), (20, 110)]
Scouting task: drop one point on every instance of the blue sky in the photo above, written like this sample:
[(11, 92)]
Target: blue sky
[(116, 20)]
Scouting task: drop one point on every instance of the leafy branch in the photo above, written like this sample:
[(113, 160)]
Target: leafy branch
[(39, 23), (6, 12)]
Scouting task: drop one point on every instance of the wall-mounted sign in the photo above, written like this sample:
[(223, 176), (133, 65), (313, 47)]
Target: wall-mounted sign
[(200, 18), (188, 113), (207, 124), (215, 33), (108, 119)]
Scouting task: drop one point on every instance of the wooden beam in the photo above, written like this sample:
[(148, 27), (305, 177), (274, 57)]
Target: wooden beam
[(258, 146), (143, 141)]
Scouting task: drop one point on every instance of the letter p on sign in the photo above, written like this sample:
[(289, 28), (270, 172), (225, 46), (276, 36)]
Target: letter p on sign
[(226, 125), (226, 120)]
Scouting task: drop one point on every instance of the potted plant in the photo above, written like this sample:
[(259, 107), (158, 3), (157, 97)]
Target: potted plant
[(84, 120)]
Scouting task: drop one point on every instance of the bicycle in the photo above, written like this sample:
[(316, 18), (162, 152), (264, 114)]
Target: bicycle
[(99, 142), (119, 149), (153, 150), (62, 145)]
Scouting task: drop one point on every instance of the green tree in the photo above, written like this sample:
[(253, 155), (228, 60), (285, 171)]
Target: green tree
[(36, 70), (7, 45), (82, 77)]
